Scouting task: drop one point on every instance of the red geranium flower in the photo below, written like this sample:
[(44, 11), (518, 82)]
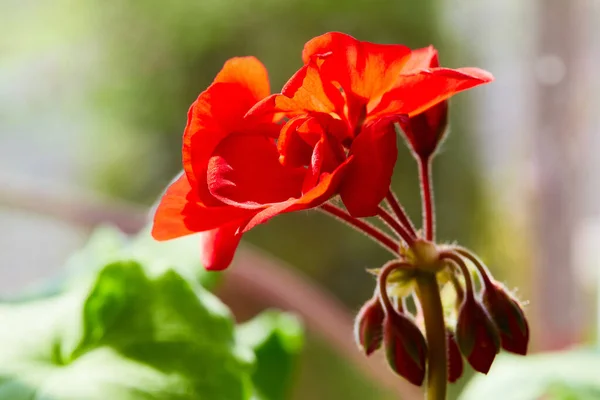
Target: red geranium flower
[(233, 178), (242, 166), (357, 91)]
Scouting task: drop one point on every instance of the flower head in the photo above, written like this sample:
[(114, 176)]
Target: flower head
[(249, 156), (233, 179), (359, 90)]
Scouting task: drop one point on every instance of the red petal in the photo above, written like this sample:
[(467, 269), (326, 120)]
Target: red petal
[(307, 141), (327, 187), (308, 91), (249, 73), (295, 148), (219, 111), (420, 59), (179, 213), (327, 155), (322, 192), (417, 92), (245, 172), (364, 70), (305, 91), (218, 246), (369, 175), (268, 213)]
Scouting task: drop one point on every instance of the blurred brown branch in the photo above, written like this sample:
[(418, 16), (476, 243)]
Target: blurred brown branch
[(255, 282)]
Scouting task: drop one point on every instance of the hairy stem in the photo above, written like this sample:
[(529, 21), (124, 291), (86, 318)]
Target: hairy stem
[(481, 268), (395, 225), (427, 198), (400, 213), (375, 234), (457, 259), (382, 283)]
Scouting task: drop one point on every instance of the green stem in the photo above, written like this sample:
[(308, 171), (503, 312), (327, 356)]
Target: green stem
[(428, 291), (435, 330)]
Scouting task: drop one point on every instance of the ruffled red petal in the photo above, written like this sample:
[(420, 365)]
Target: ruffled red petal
[(420, 59), (218, 112), (249, 73), (327, 187), (369, 175), (180, 213), (245, 171), (417, 92), (296, 147), (218, 246), (304, 92), (364, 70)]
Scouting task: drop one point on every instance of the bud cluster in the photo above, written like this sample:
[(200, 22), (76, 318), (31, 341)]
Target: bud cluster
[(486, 320)]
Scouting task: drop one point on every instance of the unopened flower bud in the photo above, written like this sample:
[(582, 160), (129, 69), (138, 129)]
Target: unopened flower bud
[(368, 326), (405, 347), (507, 314), (425, 131), (455, 362), (476, 335)]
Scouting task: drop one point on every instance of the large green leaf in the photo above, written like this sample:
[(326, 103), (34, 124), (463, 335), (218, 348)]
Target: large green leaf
[(551, 376), (108, 244), (130, 335), (276, 339)]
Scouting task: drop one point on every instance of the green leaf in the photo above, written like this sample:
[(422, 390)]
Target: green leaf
[(182, 254), (277, 339), (564, 391), (552, 376), (108, 244), (130, 335)]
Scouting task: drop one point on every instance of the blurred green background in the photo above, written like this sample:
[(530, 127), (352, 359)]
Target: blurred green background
[(95, 95)]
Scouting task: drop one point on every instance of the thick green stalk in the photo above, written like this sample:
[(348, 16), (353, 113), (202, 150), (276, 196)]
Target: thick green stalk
[(435, 331), (429, 297)]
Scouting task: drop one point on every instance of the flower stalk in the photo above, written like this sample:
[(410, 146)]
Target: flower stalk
[(403, 218), (372, 232), (435, 331), (428, 292), (400, 229), (427, 198)]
